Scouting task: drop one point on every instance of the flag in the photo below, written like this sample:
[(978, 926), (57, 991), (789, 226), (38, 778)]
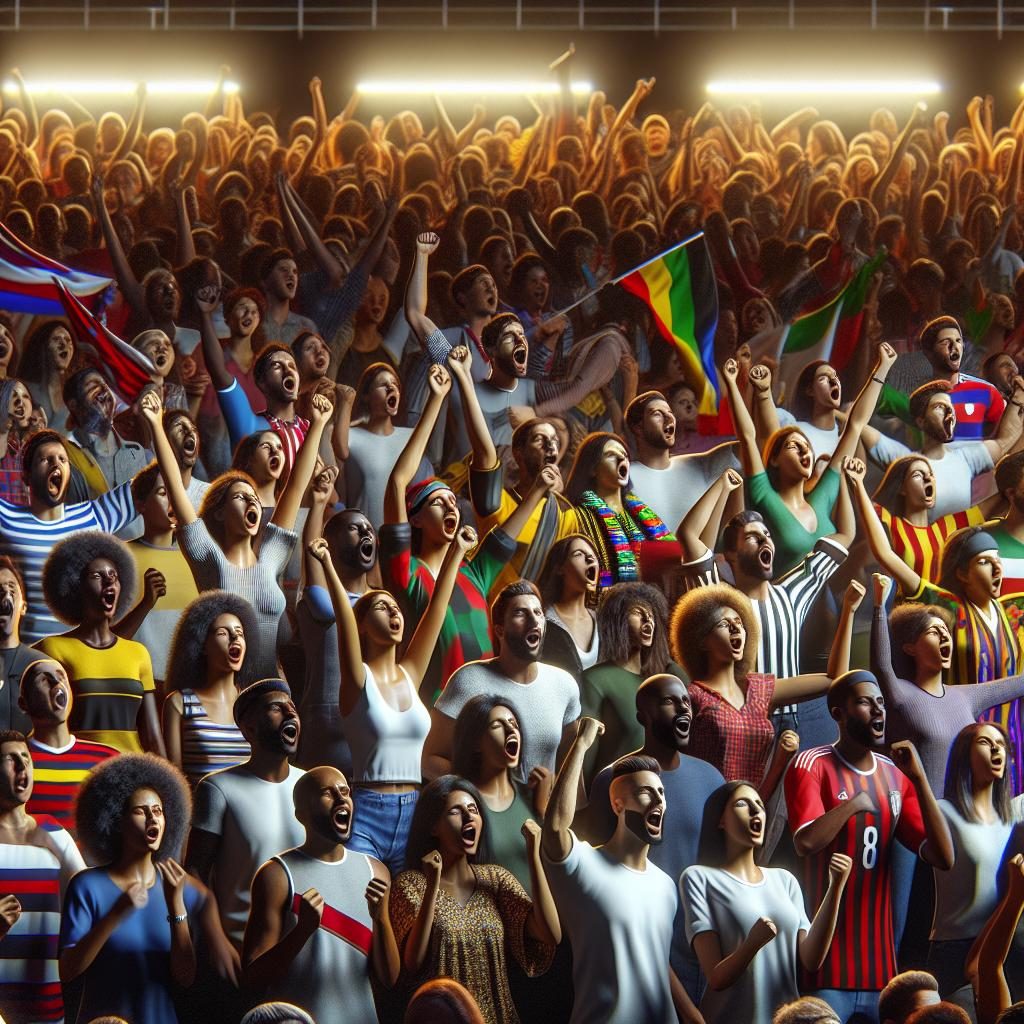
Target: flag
[(128, 370), (679, 286), (27, 280), (831, 332)]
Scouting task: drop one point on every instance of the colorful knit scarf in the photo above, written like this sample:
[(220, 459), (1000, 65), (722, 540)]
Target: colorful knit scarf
[(621, 533)]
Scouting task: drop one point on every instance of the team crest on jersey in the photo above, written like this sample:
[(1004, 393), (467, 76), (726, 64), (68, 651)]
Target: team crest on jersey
[(895, 802), (843, 795)]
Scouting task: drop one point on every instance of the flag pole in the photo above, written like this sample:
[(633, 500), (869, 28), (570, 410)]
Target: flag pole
[(621, 277)]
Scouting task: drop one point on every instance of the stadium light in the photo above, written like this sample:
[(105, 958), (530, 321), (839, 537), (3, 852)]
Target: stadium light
[(117, 87), (466, 87), (811, 87)]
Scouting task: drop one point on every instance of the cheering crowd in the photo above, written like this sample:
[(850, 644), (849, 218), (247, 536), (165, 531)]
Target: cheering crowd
[(406, 615)]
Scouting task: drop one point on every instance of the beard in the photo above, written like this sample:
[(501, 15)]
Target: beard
[(862, 733), (637, 824), (521, 649), (751, 565)]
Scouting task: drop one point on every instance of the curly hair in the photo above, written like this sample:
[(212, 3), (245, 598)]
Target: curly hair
[(696, 614), (186, 662), (103, 798), (613, 625), (62, 573)]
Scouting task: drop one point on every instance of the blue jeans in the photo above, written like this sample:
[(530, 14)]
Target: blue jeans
[(380, 825), (847, 1003)]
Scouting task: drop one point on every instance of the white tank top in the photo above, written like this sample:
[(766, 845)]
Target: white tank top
[(387, 745)]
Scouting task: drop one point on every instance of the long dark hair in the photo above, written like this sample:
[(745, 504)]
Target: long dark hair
[(588, 455), (471, 726), (711, 852), (33, 364), (801, 404), (549, 583), (613, 625), (888, 493), (430, 808), (959, 785)]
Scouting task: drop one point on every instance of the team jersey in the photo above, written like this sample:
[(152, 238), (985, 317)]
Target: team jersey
[(863, 953), (978, 404), (59, 773), (921, 546), (1011, 554)]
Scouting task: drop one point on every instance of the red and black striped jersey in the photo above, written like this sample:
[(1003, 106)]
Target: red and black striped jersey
[(862, 955)]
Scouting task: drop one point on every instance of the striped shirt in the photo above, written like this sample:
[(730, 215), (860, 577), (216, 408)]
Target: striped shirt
[(206, 745), (978, 406), (921, 546), (243, 421), (29, 540), (108, 684), (781, 615), (58, 772), (863, 952), (37, 875)]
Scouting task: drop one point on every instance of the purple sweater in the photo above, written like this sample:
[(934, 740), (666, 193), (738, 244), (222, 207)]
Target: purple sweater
[(931, 723)]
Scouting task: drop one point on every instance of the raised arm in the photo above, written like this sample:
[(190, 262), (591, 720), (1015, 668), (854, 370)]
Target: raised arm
[(213, 351), (839, 656), (485, 455), (765, 413), (287, 507), (881, 186), (863, 408), (152, 413), (795, 689), (704, 520), (992, 995), (750, 454), (938, 847), (350, 660), (186, 248), (881, 641), (130, 287), (428, 629), (813, 945), (555, 839), (543, 923), (1009, 428), (417, 942), (416, 293), (134, 127), (439, 383)]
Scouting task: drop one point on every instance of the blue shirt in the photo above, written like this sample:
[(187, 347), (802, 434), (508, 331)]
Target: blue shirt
[(131, 975)]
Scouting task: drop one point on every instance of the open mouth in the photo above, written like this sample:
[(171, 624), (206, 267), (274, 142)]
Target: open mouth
[(395, 624), (835, 393), (235, 653), (290, 384), (929, 493), (653, 820), (289, 732), (342, 819), (878, 727), (109, 598), (736, 643), (806, 462), (247, 323), (949, 426), (756, 827), (534, 638), (954, 358), (590, 574), (623, 472), (681, 727), (274, 463), (321, 363), (646, 632), (946, 651), (367, 549), (188, 444), (519, 356), (391, 403), (450, 524), (55, 483), (512, 747), (153, 834), (469, 835), (252, 517), (60, 699), (997, 764), (161, 359), (766, 557), (6, 606)]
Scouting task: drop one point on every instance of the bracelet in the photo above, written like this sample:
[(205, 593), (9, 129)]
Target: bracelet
[(177, 918), (877, 380)]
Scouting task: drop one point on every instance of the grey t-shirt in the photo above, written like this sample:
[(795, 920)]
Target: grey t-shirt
[(716, 901), (543, 707), (495, 403), (255, 820), (674, 491), (370, 461)]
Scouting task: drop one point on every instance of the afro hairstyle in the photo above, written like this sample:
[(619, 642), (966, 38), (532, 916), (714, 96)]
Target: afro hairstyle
[(103, 799), (62, 573), (186, 662), (695, 616)]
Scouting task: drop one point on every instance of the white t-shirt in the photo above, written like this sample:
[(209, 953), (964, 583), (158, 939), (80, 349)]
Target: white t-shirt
[(255, 820), (674, 491), (716, 901), (954, 472), (619, 922)]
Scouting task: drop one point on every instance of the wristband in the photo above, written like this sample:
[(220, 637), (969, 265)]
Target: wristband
[(877, 380), (177, 918)]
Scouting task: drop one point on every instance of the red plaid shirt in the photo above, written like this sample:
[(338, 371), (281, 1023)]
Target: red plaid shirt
[(12, 484), (737, 741)]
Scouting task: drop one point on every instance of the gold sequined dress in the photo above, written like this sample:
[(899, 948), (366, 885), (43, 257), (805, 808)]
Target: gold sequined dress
[(468, 944)]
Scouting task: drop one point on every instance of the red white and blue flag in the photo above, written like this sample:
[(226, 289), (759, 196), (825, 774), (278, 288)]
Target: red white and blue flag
[(27, 280)]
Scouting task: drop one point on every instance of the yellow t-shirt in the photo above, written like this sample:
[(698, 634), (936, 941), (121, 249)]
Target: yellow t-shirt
[(108, 685)]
